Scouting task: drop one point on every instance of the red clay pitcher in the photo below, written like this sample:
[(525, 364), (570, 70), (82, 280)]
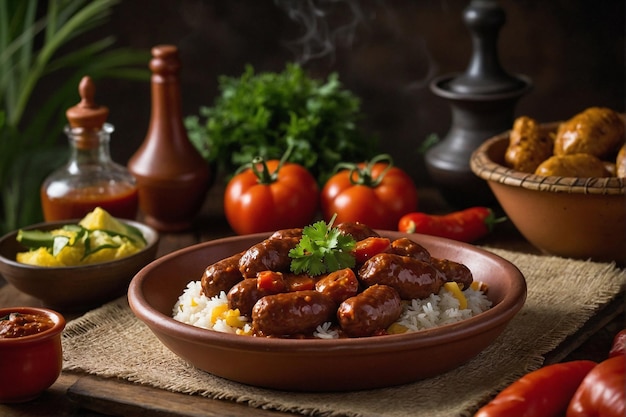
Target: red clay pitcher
[(172, 177)]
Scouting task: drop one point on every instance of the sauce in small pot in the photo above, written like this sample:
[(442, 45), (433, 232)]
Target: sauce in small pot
[(19, 325)]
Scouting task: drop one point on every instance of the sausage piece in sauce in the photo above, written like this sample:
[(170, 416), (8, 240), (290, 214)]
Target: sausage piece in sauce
[(369, 312), (272, 254), (292, 313), (411, 277), (339, 285), (244, 295), (406, 247), (454, 271), (287, 233), (221, 276), (358, 231)]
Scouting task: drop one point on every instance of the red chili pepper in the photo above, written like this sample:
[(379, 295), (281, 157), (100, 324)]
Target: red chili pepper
[(601, 393), (619, 344), (545, 392), (368, 247), (466, 225)]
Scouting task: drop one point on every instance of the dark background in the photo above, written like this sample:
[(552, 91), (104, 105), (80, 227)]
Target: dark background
[(386, 52)]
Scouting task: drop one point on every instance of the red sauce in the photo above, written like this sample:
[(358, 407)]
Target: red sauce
[(121, 202), (19, 325)]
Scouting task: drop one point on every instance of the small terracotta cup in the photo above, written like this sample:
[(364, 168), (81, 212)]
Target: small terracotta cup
[(30, 364)]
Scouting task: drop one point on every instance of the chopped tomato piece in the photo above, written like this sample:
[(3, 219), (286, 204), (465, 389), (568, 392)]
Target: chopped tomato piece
[(369, 247), (271, 281)]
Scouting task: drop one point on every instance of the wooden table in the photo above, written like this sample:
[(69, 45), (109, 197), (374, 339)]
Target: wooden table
[(80, 395)]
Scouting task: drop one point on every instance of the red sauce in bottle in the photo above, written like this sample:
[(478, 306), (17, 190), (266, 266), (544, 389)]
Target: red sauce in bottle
[(90, 178), (121, 202)]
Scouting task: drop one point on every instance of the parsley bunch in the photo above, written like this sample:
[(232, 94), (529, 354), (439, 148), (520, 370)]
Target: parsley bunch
[(261, 114), (322, 249)]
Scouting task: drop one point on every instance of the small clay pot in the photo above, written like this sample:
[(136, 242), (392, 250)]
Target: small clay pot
[(30, 364)]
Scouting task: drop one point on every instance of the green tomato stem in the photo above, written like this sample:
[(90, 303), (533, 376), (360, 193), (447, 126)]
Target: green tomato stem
[(264, 175), (363, 176)]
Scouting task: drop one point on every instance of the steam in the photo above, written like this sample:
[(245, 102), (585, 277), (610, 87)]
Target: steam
[(326, 25)]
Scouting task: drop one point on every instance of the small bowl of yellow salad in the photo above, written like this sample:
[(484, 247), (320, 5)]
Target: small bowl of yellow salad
[(75, 265)]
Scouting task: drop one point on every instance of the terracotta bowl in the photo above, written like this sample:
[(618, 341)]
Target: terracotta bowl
[(323, 365), (583, 218), (75, 288), (30, 364)]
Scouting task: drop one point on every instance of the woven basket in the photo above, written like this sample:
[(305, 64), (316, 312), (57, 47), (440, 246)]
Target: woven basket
[(487, 162)]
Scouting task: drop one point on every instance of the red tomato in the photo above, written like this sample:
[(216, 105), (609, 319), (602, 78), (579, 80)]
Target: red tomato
[(374, 193), (269, 196)]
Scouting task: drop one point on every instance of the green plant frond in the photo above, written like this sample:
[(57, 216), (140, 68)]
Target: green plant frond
[(93, 12), (15, 63), (21, 205), (46, 129), (127, 74), (118, 60), (27, 147), (26, 56), (87, 17), (59, 12), (50, 120), (113, 60), (4, 26), (18, 41), (78, 57), (13, 17)]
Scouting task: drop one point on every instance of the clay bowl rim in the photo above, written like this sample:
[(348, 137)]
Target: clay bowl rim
[(497, 315), (56, 329), (152, 238), (486, 168)]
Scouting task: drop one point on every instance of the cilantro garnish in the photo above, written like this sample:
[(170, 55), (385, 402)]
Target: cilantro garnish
[(323, 248)]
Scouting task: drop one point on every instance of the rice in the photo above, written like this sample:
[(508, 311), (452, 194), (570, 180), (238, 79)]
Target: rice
[(442, 308), (196, 309)]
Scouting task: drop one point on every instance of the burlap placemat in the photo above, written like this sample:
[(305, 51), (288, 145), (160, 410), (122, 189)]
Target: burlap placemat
[(562, 296)]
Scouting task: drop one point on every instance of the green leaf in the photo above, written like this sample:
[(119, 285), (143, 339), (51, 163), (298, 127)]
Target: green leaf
[(261, 114), (322, 249)]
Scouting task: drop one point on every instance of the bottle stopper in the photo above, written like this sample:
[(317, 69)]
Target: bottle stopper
[(165, 61), (87, 114)]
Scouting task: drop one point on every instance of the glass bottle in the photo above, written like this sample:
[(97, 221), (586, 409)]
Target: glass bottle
[(90, 178), (173, 178)]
